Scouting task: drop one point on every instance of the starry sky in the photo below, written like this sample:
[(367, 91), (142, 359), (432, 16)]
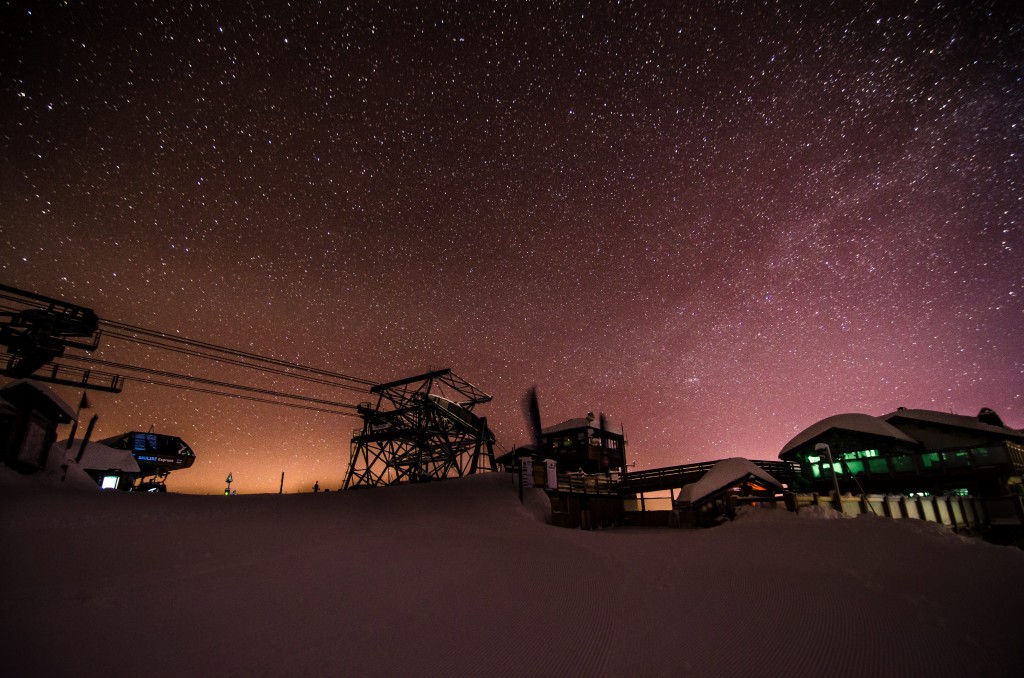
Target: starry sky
[(718, 222)]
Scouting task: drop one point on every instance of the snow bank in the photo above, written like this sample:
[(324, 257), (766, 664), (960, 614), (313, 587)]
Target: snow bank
[(459, 578), (819, 512)]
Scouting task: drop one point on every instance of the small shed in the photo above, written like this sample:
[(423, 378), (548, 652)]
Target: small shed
[(722, 488)]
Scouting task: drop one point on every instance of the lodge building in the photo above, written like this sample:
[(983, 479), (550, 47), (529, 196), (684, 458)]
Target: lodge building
[(912, 451)]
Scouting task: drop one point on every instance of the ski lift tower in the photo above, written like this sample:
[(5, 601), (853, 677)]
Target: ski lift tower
[(422, 428)]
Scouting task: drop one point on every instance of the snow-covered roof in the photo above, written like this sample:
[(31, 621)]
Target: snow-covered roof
[(852, 421), (43, 390), (581, 422), (722, 475), (952, 420), (100, 457)]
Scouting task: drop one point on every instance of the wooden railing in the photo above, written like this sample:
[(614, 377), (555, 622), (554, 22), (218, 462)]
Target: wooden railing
[(1015, 453), (650, 480)]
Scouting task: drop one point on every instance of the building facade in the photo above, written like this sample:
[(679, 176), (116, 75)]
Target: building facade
[(582, 445), (912, 451)]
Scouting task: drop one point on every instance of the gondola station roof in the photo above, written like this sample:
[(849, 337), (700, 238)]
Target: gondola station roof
[(860, 425), (583, 422), (910, 429)]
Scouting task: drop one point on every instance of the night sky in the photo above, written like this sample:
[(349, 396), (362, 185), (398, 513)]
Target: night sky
[(717, 222)]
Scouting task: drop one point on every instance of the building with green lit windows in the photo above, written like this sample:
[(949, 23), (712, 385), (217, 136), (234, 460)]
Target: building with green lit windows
[(912, 451)]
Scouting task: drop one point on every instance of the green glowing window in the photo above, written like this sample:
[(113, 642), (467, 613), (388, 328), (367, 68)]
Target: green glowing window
[(811, 459), (816, 471), (861, 454), (930, 460), (856, 467), (879, 465)]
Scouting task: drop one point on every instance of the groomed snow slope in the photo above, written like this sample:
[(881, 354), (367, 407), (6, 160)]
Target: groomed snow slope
[(458, 578)]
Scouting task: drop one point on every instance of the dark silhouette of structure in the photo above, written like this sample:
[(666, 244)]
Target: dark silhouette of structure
[(35, 337), (29, 416), (422, 428), (579, 444)]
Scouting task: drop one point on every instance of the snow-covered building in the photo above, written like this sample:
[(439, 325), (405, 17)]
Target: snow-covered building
[(723, 487), (912, 450), (730, 476), (29, 415), (581, 444)]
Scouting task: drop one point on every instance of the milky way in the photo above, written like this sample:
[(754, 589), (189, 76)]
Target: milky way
[(716, 222)]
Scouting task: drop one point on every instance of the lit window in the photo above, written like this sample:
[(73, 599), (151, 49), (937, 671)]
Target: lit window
[(109, 482), (856, 467), (879, 465)]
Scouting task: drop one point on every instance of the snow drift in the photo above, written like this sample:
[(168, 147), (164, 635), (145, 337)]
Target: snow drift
[(458, 578)]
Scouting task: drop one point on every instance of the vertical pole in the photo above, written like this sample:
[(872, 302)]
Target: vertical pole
[(85, 440), (280, 490), (82, 404), (520, 462), (74, 429), (824, 447)]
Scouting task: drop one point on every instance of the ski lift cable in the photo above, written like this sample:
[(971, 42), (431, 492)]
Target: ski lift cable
[(239, 396), (230, 361), (35, 303), (209, 382), (232, 351)]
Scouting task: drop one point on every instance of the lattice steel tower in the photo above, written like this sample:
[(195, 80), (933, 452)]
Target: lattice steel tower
[(421, 428)]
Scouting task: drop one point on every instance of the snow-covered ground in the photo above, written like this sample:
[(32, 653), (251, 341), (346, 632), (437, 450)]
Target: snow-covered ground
[(458, 578)]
